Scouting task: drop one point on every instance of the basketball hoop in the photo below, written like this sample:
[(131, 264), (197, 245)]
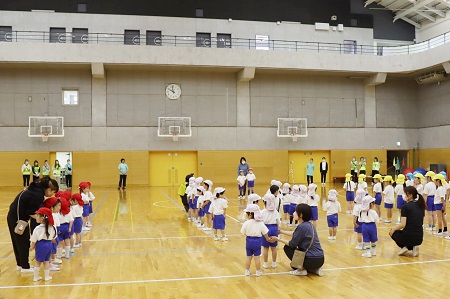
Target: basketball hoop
[(175, 136), (294, 137), (44, 137)]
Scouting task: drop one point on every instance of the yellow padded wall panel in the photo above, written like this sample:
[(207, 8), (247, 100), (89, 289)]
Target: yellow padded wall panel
[(434, 156)]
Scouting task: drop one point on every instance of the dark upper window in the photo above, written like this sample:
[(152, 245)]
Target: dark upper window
[(153, 38), (58, 35), (132, 37), (203, 40)]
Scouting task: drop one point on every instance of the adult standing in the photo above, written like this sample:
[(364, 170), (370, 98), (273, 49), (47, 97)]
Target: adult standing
[(68, 173), (23, 208), (36, 169), (323, 171), (243, 166), (362, 165), (45, 169), (375, 167), (310, 167), (26, 173), (354, 169), (304, 238), (57, 171), (409, 233), (123, 172)]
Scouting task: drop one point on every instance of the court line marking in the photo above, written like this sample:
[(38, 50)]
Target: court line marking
[(156, 204), (209, 277), (131, 214), (115, 215)]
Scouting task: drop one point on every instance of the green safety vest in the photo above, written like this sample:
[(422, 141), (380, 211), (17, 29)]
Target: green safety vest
[(376, 165), (353, 165), (45, 170), (36, 169), (56, 171), (27, 170), (363, 166)]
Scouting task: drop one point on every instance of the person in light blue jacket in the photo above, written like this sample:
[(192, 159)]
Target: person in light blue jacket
[(310, 167), (123, 169)]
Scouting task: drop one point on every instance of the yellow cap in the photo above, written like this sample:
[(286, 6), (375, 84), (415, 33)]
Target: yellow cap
[(430, 174), (388, 178), (400, 179), (441, 178), (348, 177), (361, 178), (420, 176), (378, 176)]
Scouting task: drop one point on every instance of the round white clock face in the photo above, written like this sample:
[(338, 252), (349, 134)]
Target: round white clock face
[(173, 91)]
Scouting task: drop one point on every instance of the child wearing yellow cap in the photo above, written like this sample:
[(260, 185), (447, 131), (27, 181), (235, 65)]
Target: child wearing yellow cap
[(418, 182), (349, 187), (362, 182), (399, 185), (377, 190), (429, 190), (439, 204), (388, 197)]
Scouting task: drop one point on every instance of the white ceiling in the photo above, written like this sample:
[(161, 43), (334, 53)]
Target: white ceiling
[(415, 12)]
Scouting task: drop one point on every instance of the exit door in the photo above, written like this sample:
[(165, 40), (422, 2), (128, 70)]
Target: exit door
[(169, 169)]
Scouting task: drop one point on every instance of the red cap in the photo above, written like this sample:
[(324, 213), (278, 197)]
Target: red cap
[(65, 206), (47, 212), (83, 185), (77, 197), (50, 202)]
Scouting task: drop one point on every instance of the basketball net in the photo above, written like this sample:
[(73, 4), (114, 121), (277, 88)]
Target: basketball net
[(175, 136), (44, 137)]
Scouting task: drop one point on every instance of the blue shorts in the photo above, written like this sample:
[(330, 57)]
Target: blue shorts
[(201, 212), (430, 203), (350, 195), (206, 208), (273, 231), (400, 202), (333, 220), (378, 198), (286, 208), (219, 222), (64, 233), (388, 205), (358, 229), (191, 204), (55, 246), (252, 245), (77, 225), (43, 250), (292, 207), (369, 231), (71, 232), (86, 210), (90, 207), (241, 187), (195, 201), (251, 184), (438, 207), (315, 213)]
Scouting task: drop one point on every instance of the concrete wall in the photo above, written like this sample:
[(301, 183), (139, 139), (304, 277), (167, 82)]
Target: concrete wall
[(441, 26), (434, 104)]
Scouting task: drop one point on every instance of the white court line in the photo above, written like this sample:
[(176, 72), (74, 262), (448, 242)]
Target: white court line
[(206, 277), (234, 219)]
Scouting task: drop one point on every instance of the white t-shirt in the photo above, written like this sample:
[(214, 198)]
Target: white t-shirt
[(362, 185), (76, 210), (65, 218), (270, 217), (200, 201), (313, 201), (303, 198), (409, 183), (332, 207), (287, 199), (39, 233), (251, 177), (419, 189), (399, 190), (429, 189), (253, 228), (369, 216), (323, 165), (208, 196), (218, 206), (241, 179), (389, 194), (439, 196), (350, 186), (377, 188), (87, 197), (56, 219), (356, 209)]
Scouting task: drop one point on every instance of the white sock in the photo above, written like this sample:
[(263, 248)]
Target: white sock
[(67, 248), (58, 252), (36, 272), (47, 273)]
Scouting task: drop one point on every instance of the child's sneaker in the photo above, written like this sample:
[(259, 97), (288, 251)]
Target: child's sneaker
[(266, 265), (216, 238), (334, 237), (438, 234), (53, 268), (47, 278), (298, 272), (258, 272), (428, 228), (37, 278), (86, 228), (189, 219), (274, 265), (359, 247), (57, 261), (89, 224), (318, 272), (373, 251), (447, 238), (366, 254), (247, 272), (224, 239), (387, 221), (330, 238)]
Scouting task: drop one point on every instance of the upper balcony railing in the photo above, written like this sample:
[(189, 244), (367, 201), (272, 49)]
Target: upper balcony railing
[(263, 43)]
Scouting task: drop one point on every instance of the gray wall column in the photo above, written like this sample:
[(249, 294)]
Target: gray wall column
[(98, 95), (243, 96), (370, 102)]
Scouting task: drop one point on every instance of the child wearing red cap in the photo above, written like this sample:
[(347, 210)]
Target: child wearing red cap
[(88, 197), (54, 205), (76, 207), (66, 219), (41, 240)]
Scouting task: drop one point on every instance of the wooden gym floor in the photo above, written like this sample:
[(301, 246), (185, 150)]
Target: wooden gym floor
[(142, 246)]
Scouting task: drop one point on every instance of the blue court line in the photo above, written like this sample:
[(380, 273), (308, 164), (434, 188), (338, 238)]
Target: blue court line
[(99, 205)]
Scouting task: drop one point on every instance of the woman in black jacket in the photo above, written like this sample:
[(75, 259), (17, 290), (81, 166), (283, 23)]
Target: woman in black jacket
[(23, 207)]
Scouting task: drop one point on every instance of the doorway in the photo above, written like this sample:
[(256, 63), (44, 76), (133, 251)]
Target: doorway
[(169, 168), (62, 158), (297, 165), (397, 161)]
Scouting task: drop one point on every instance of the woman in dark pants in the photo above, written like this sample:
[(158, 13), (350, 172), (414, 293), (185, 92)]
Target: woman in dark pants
[(301, 239), (243, 166), (409, 233), (30, 201)]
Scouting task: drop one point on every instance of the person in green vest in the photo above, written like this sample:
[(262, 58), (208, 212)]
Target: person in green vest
[(46, 169), (354, 168), (57, 171), (26, 172), (362, 165), (36, 171), (375, 166)]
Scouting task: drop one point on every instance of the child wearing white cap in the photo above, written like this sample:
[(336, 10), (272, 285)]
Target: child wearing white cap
[(369, 218), (189, 192), (377, 190), (254, 228), (356, 218), (349, 187), (218, 209), (241, 184), (388, 197), (439, 204), (286, 202), (399, 191), (200, 202), (332, 207), (313, 202), (429, 190), (295, 200), (271, 219), (250, 181), (198, 183), (208, 197)]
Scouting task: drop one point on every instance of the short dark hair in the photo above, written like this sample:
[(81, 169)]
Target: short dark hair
[(122, 160), (304, 210), (47, 182), (274, 188)]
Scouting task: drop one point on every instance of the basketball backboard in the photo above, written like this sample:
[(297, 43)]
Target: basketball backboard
[(45, 127), (174, 127), (292, 128)]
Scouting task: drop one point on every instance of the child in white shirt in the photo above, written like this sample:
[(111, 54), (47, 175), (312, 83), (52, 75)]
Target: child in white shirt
[(208, 197), (362, 182), (271, 219), (200, 202), (418, 182), (399, 191), (349, 187), (250, 181), (286, 202), (254, 228), (369, 219), (241, 184), (189, 192), (218, 209), (360, 193), (377, 193), (388, 197), (76, 208), (332, 207), (313, 202), (439, 204)]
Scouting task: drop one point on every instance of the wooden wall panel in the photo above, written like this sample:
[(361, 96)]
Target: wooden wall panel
[(12, 165), (433, 156)]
